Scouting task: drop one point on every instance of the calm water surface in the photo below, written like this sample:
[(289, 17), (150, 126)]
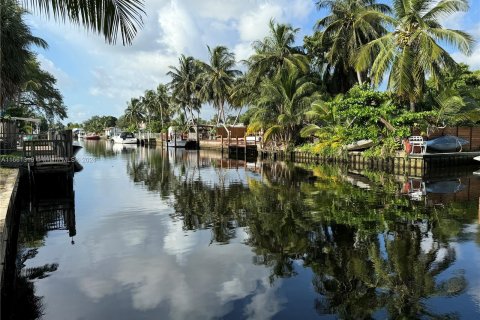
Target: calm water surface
[(187, 235)]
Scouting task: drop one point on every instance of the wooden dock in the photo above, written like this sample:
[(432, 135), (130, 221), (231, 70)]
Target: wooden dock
[(50, 155)]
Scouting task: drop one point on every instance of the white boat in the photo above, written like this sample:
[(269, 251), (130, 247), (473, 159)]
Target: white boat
[(175, 139), (125, 138), (477, 158), (360, 145), (178, 143)]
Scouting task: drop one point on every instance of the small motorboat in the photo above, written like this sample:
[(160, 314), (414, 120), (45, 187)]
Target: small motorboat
[(178, 143), (125, 138), (360, 145), (447, 143), (92, 137)]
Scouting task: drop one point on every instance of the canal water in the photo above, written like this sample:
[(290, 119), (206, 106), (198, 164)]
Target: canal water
[(148, 234)]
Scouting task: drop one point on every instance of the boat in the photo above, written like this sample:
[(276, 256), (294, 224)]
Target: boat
[(92, 137), (125, 138), (175, 139), (178, 143), (360, 145), (447, 143)]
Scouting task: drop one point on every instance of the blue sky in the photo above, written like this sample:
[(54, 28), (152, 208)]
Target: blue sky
[(98, 79)]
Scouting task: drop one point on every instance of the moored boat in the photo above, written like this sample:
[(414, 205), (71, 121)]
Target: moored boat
[(178, 143), (446, 143), (92, 137), (360, 145), (125, 138)]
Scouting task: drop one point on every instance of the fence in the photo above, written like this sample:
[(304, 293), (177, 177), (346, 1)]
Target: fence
[(58, 148)]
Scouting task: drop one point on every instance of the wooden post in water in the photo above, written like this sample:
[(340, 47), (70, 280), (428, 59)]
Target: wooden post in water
[(175, 140), (222, 142)]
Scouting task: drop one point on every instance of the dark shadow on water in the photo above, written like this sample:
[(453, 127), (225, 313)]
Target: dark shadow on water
[(46, 204)]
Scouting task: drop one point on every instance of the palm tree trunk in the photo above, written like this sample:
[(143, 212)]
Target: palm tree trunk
[(238, 115), (412, 106), (359, 78), (161, 117), (191, 114)]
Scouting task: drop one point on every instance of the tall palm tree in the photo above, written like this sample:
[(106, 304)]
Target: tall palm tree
[(350, 24), (149, 104), (412, 50), (16, 41), (217, 78), (184, 86), (277, 51), (106, 17)]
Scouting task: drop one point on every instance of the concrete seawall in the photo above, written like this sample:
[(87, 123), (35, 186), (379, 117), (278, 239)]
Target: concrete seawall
[(9, 179)]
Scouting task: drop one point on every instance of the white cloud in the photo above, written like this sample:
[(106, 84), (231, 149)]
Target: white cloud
[(473, 60), (171, 28), (254, 25)]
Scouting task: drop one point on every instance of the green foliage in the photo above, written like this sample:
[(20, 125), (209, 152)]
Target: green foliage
[(457, 99), (412, 50), (98, 123), (363, 113)]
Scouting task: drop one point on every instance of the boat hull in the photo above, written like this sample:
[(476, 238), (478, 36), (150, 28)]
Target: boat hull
[(125, 141), (446, 143), (360, 145), (92, 138), (177, 144)]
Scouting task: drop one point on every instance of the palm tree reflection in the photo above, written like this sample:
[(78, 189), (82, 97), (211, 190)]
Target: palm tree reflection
[(367, 248)]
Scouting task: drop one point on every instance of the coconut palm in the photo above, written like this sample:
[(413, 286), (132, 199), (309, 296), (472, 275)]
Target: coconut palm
[(16, 42), (135, 112), (163, 103), (411, 51), (350, 24), (217, 78), (184, 86), (277, 51), (282, 104), (106, 17)]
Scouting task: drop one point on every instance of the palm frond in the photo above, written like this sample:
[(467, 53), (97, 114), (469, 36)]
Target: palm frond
[(106, 17)]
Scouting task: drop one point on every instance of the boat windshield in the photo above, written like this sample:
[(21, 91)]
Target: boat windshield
[(126, 135)]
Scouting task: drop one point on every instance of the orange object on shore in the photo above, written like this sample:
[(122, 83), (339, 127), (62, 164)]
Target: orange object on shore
[(407, 146)]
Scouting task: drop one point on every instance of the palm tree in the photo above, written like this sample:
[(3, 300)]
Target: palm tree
[(351, 24), (277, 51), (217, 78), (135, 112), (106, 17), (282, 104), (184, 86), (163, 103), (15, 50), (411, 51)]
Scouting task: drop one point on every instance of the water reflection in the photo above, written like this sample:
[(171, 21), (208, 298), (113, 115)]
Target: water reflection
[(189, 234), (48, 205)]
